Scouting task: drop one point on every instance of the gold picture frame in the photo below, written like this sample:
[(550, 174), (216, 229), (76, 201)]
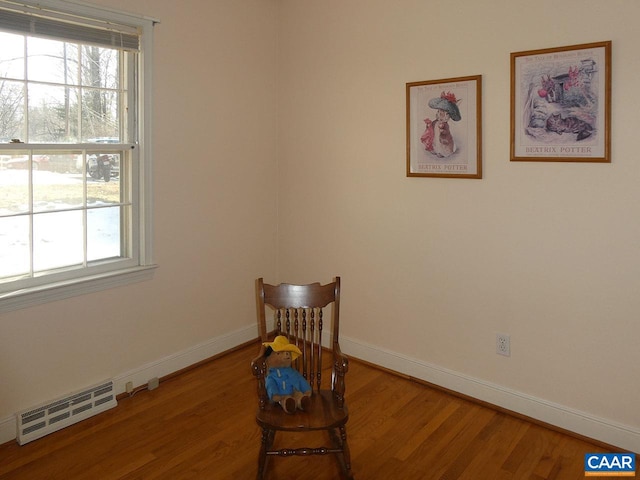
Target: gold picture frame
[(561, 104), (444, 128)]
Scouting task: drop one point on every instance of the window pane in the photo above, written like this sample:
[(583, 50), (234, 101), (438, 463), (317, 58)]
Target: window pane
[(53, 190), (12, 118), (57, 240), (100, 97), (12, 56), (100, 68), (100, 114), (14, 184), (14, 246), (52, 61), (103, 233), (52, 114), (103, 184)]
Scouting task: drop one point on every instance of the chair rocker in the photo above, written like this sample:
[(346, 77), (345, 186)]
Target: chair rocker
[(298, 314)]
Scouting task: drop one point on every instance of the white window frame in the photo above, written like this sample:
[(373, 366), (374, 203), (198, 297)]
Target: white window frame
[(84, 281)]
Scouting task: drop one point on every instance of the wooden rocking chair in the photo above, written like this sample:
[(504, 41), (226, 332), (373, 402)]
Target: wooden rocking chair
[(298, 315)]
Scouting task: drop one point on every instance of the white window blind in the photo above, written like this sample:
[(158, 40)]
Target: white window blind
[(21, 18)]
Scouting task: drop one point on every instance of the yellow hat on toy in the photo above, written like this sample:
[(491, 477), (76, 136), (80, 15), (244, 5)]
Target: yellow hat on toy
[(281, 344)]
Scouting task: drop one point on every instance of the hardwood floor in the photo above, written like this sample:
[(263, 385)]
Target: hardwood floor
[(200, 425)]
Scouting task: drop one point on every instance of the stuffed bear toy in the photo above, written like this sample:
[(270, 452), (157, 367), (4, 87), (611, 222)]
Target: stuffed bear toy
[(285, 385)]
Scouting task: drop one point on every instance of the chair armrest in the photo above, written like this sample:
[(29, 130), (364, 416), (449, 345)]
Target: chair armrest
[(338, 372), (259, 370)]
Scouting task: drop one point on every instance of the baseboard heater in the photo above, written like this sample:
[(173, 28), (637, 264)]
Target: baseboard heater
[(52, 416)]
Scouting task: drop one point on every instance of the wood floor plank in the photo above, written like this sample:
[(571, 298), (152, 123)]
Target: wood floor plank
[(201, 425)]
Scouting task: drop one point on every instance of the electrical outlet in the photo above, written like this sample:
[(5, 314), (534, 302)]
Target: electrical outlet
[(153, 383), (503, 344), (129, 387)]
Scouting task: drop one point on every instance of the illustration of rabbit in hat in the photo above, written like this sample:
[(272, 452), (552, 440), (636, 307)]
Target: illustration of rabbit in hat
[(437, 137)]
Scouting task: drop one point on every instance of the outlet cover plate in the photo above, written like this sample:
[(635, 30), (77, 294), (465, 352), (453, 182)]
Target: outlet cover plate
[(503, 344)]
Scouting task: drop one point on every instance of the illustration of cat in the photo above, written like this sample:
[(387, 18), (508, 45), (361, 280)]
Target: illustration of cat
[(559, 125)]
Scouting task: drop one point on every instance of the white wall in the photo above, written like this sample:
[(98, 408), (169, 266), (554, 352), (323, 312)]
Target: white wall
[(433, 268), (215, 217)]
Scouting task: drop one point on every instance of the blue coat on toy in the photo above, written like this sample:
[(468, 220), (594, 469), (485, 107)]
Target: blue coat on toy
[(284, 384)]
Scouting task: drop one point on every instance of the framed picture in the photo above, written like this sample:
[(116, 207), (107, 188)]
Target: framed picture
[(444, 128), (561, 104)]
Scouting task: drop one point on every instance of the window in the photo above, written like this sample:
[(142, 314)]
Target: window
[(75, 196)]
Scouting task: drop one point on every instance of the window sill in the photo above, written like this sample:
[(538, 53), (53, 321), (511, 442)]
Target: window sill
[(30, 297)]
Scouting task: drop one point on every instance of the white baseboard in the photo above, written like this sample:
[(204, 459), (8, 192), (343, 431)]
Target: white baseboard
[(622, 436), (159, 368)]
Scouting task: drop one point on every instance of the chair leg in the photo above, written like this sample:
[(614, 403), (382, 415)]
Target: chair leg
[(344, 458), (267, 441), (346, 453)]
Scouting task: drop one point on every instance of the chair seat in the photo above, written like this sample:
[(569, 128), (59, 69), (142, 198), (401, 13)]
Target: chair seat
[(323, 413)]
